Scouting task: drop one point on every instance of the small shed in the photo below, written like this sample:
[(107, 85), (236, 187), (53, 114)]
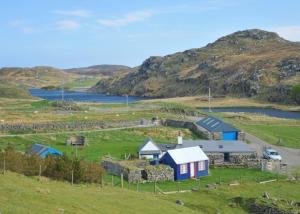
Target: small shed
[(43, 151), (149, 150), (187, 163), (77, 141), (219, 130)]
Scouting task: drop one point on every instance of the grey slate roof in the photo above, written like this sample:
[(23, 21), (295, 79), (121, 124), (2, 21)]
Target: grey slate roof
[(214, 124), (211, 146), (219, 146)]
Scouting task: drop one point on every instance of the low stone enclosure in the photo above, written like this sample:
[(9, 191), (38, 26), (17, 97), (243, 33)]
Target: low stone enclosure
[(245, 160), (198, 130), (77, 141), (138, 171)]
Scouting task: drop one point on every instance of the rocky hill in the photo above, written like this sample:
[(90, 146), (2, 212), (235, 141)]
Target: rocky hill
[(96, 70), (250, 63), (35, 77)]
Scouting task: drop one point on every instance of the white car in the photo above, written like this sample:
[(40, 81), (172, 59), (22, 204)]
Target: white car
[(271, 154)]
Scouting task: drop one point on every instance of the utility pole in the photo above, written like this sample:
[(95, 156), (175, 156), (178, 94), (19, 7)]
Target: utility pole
[(62, 90), (209, 107), (127, 101)]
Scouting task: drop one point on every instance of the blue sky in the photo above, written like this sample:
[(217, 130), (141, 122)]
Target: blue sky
[(73, 33)]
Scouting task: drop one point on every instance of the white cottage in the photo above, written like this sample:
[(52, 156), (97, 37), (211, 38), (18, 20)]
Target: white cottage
[(149, 150)]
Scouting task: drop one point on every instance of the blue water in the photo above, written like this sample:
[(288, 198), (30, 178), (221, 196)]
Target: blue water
[(81, 96), (265, 111)]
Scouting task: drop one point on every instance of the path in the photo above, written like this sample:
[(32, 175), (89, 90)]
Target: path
[(83, 131), (289, 156)]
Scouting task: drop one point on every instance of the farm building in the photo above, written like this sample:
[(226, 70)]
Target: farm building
[(77, 141), (149, 150), (43, 151), (220, 152), (187, 163), (219, 130)]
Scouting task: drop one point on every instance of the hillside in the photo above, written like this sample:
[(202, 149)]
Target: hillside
[(12, 91), (35, 77), (22, 194), (250, 63), (99, 70)]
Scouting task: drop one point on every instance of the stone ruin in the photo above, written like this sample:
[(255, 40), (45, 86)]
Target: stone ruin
[(77, 141), (138, 171)]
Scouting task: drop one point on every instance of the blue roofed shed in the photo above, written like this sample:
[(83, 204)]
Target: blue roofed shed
[(219, 129), (43, 151)]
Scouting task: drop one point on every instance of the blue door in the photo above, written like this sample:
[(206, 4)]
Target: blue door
[(229, 135)]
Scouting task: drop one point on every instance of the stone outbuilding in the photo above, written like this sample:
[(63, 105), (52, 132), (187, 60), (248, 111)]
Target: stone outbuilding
[(77, 141), (219, 130)]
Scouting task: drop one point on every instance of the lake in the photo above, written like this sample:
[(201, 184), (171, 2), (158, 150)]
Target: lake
[(81, 96), (265, 111)]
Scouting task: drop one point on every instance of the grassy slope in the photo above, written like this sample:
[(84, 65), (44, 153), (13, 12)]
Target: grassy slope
[(26, 195), (115, 143), (269, 129), (13, 91)]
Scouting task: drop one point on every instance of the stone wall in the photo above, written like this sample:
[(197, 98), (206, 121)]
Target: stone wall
[(241, 136), (187, 125), (248, 160), (138, 171), (158, 173), (131, 174)]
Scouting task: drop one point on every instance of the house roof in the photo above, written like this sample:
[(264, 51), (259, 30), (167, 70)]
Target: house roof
[(149, 147), (219, 146), (43, 150), (187, 155), (214, 124)]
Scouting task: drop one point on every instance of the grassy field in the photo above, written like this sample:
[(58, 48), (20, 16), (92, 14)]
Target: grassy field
[(202, 102), (81, 82), (22, 194), (277, 131), (115, 143)]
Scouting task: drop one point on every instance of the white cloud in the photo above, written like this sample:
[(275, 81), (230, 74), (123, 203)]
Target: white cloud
[(67, 25), (127, 19), (76, 13), (20, 25), (288, 32)]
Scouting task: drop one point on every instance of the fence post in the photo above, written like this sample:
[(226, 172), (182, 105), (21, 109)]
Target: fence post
[(102, 181), (112, 180), (137, 186), (40, 172), (154, 187), (72, 176), (4, 165), (122, 183)]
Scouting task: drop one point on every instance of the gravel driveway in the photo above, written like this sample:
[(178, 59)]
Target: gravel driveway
[(289, 156)]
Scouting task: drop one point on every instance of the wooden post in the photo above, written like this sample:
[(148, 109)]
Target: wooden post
[(4, 165), (40, 172), (102, 181), (154, 187), (137, 186), (112, 180), (122, 184), (72, 177)]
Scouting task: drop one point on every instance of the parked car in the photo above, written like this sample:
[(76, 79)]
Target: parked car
[(271, 154)]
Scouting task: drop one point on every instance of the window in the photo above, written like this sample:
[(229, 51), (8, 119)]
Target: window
[(183, 168), (201, 165)]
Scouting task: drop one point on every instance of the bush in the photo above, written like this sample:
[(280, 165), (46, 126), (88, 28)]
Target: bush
[(296, 93), (56, 167)]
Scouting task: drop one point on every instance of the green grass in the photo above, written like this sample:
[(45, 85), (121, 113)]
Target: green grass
[(220, 175), (281, 132), (22, 194), (87, 82), (115, 143)]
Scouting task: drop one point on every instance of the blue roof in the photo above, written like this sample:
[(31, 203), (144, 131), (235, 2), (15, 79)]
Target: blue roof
[(43, 151), (214, 124)]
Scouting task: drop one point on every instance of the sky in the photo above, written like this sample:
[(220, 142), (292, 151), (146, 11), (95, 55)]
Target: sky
[(78, 33)]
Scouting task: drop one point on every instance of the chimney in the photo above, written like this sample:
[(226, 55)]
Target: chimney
[(179, 141)]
